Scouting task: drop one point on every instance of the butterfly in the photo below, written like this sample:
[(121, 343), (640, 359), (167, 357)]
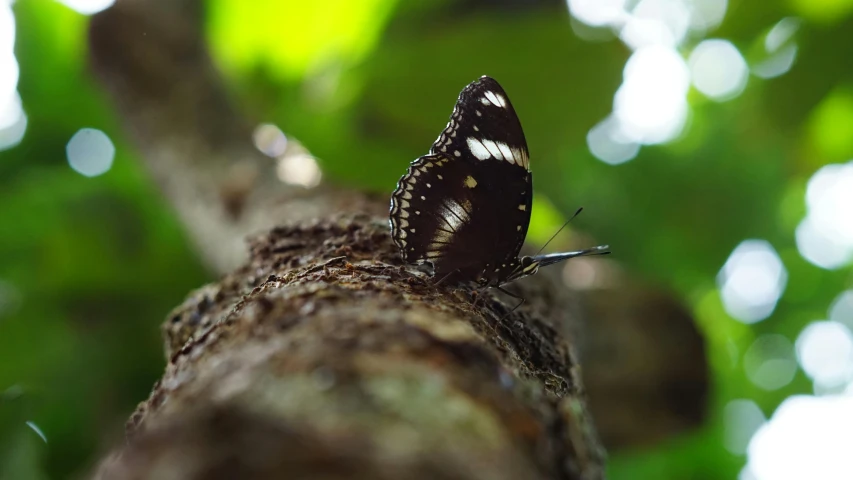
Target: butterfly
[(464, 208)]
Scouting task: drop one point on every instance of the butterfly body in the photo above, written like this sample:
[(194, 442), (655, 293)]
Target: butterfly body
[(465, 207)]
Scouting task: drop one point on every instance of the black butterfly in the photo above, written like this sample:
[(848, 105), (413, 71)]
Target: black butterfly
[(465, 207)]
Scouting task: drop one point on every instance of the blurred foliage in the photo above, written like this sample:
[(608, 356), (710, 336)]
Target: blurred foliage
[(88, 265)]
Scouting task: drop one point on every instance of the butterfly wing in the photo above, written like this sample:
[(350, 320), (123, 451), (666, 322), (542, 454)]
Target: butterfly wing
[(483, 127), (465, 207)]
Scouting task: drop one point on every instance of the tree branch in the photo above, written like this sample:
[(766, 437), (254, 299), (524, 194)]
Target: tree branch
[(323, 335)]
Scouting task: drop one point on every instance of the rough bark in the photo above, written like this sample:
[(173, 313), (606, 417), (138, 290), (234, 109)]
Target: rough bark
[(321, 356), (324, 335)]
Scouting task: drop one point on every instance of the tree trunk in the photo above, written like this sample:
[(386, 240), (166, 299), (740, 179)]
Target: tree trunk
[(321, 355)]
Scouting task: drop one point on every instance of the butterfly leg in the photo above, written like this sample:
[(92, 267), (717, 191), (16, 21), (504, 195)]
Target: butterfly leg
[(517, 297), (445, 277)]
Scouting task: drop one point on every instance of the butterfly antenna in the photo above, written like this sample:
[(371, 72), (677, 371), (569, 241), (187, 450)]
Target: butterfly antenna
[(558, 231)]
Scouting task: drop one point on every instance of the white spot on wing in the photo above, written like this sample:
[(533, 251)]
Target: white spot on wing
[(507, 152), (478, 149), (496, 99), (456, 214), (493, 149), (441, 236), (520, 156)]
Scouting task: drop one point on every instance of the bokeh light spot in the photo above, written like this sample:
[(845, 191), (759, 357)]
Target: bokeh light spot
[(656, 22), (7, 27), (589, 274), (88, 7), (780, 48), (597, 13), (781, 33), (751, 281), (777, 63), (819, 247), (9, 73), (718, 70), (90, 152), (841, 309), (651, 105), (706, 15), (270, 140), (825, 351), (746, 474), (825, 237), (770, 362), (806, 438), (741, 418), (13, 120), (13, 124), (299, 169), (830, 184), (607, 143), (11, 111)]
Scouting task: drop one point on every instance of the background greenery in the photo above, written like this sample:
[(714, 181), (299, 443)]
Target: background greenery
[(90, 266)]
